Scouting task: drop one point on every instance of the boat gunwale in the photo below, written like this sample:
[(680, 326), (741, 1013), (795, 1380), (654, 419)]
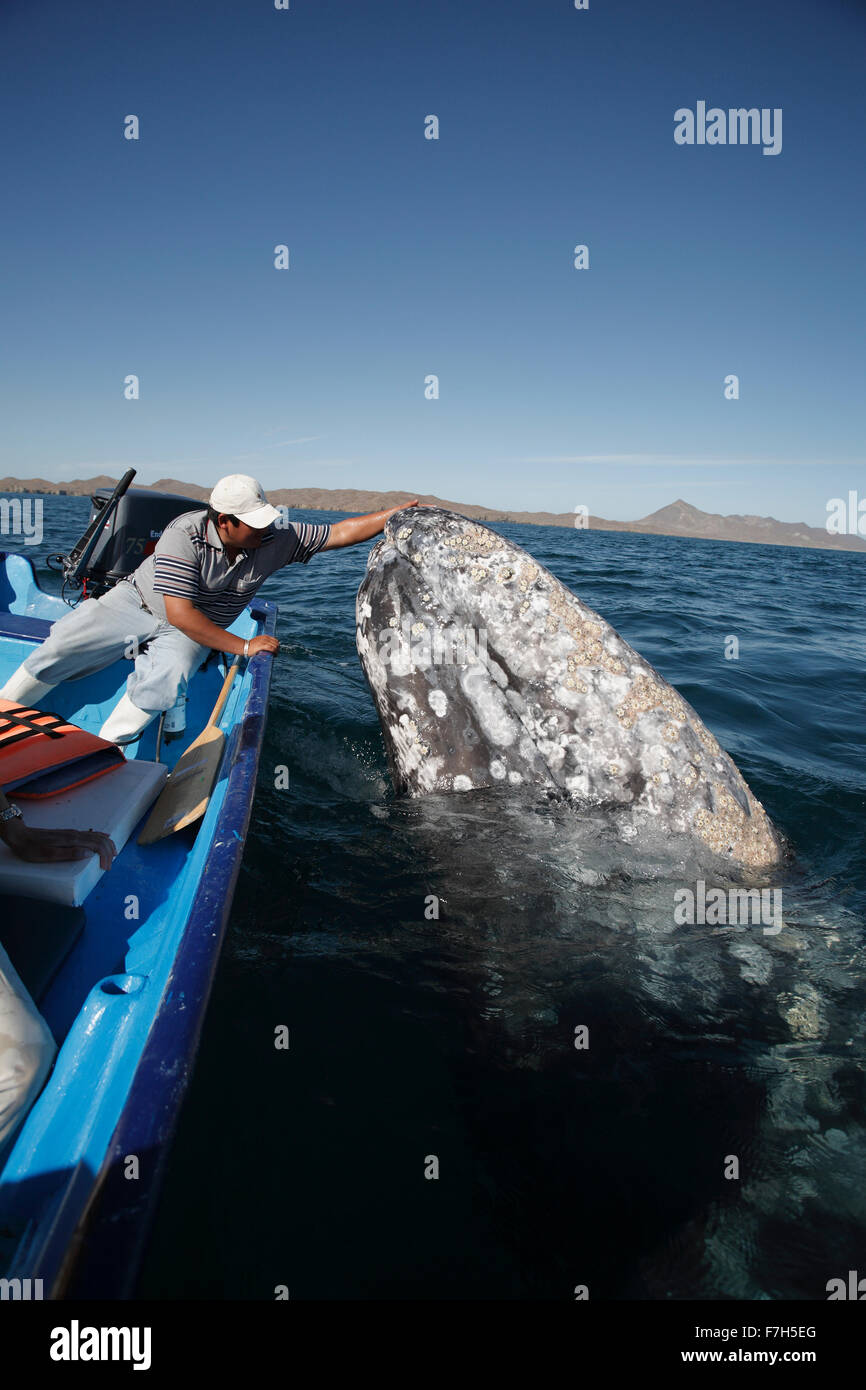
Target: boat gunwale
[(99, 1262)]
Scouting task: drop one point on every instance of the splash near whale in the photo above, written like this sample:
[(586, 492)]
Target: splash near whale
[(487, 671)]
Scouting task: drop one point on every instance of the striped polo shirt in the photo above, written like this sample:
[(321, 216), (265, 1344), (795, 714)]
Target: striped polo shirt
[(189, 561)]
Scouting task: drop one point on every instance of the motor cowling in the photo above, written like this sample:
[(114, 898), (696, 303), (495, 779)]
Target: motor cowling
[(131, 532)]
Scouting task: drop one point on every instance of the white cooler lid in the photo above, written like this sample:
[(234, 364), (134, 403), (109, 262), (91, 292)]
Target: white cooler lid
[(113, 803)]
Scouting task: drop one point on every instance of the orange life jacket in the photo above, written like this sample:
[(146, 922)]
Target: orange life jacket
[(41, 755)]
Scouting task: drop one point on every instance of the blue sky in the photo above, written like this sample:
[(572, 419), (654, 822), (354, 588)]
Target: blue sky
[(558, 387)]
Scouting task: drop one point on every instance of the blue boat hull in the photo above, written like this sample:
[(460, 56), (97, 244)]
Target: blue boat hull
[(78, 1189)]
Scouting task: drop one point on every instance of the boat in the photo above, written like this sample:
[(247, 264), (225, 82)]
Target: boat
[(123, 977)]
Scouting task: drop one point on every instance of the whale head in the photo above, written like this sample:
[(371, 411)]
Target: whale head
[(487, 671)]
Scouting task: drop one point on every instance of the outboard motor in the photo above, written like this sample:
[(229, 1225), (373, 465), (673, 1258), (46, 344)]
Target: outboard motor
[(125, 525)]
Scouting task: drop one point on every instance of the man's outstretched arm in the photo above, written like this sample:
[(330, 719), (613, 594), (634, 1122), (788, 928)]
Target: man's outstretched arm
[(361, 528), (182, 613)]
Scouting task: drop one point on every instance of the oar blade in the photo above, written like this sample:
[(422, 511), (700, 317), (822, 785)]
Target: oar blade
[(187, 792)]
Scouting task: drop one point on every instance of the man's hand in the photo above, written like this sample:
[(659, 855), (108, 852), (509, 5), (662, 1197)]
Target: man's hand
[(264, 644), (56, 846)]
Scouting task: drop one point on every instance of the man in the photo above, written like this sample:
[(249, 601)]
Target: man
[(206, 567), (27, 1048)]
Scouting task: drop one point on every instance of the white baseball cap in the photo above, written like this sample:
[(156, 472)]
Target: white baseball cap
[(243, 497)]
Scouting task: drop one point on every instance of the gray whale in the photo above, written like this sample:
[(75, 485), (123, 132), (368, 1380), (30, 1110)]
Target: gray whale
[(485, 670)]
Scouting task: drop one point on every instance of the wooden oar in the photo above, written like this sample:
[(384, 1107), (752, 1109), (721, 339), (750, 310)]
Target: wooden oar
[(185, 796)]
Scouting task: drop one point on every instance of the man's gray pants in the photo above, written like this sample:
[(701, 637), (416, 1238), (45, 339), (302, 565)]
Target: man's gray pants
[(100, 631)]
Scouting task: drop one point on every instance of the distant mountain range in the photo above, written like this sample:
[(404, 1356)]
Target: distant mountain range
[(678, 519)]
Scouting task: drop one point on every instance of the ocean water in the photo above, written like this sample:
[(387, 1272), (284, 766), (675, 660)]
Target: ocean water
[(414, 1038)]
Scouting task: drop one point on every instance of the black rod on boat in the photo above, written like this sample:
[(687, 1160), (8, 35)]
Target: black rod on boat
[(79, 556)]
